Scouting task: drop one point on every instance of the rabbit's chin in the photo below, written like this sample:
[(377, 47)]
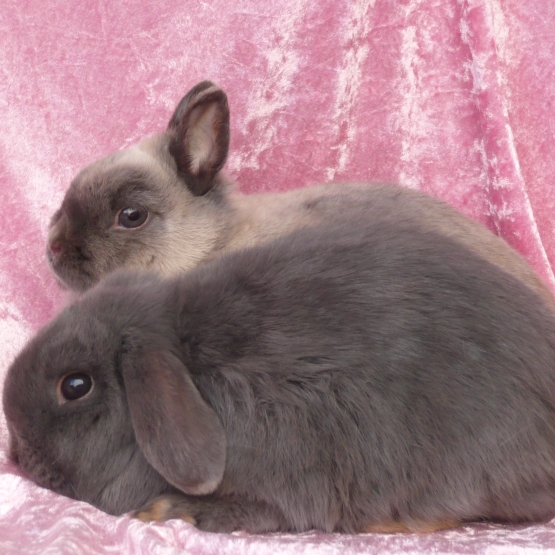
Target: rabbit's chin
[(77, 281), (129, 491)]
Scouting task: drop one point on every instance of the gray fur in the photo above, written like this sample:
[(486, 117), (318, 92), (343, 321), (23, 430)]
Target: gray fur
[(338, 378)]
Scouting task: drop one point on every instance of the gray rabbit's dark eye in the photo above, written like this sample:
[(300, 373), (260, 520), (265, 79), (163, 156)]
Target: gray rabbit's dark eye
[(132, 217), (75, 386)]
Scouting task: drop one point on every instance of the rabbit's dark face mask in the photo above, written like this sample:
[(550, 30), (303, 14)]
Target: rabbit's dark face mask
[(136, 428)]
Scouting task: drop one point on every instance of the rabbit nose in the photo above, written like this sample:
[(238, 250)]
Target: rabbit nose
[(55, 238), (55, 247)]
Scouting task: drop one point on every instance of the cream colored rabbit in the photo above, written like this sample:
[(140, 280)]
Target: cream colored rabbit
[(163, 205)]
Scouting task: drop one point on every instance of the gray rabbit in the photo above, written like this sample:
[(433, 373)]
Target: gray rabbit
[(163, 205), (370, 375)]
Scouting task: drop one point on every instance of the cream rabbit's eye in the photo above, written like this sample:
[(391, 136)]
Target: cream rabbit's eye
[(132, 217), (75, 386)]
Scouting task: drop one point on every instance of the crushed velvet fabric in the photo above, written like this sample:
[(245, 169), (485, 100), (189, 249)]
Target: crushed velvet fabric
[(454, 97)]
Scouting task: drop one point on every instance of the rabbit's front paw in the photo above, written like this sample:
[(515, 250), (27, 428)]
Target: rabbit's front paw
[(214, 514), (206, 513), (165, 507)]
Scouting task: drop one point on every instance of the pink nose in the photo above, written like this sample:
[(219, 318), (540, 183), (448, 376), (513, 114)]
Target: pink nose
[(55, 247)]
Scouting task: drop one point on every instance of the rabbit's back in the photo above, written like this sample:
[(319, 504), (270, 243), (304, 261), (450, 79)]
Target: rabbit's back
[(381, 368)]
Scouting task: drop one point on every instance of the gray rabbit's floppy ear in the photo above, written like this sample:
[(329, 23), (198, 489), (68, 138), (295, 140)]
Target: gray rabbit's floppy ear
[(200, 126), (178, 433)]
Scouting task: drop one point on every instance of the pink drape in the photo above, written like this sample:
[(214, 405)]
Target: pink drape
[(454, 97)]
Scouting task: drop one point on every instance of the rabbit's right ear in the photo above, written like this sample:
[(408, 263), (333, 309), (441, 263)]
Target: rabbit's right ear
[(179, 434), (200, 142)]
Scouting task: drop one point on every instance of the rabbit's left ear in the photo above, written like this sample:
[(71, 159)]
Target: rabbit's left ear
[(179, 434), (199, 131)]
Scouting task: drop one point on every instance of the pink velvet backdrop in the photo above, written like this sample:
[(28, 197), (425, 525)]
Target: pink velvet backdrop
[(454, 97)]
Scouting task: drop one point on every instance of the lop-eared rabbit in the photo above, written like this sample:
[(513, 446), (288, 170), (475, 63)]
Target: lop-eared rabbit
[(369, 375)]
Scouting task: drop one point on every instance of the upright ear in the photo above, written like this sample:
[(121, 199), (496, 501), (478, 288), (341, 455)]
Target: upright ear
[(200, 142), (178, 433)]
